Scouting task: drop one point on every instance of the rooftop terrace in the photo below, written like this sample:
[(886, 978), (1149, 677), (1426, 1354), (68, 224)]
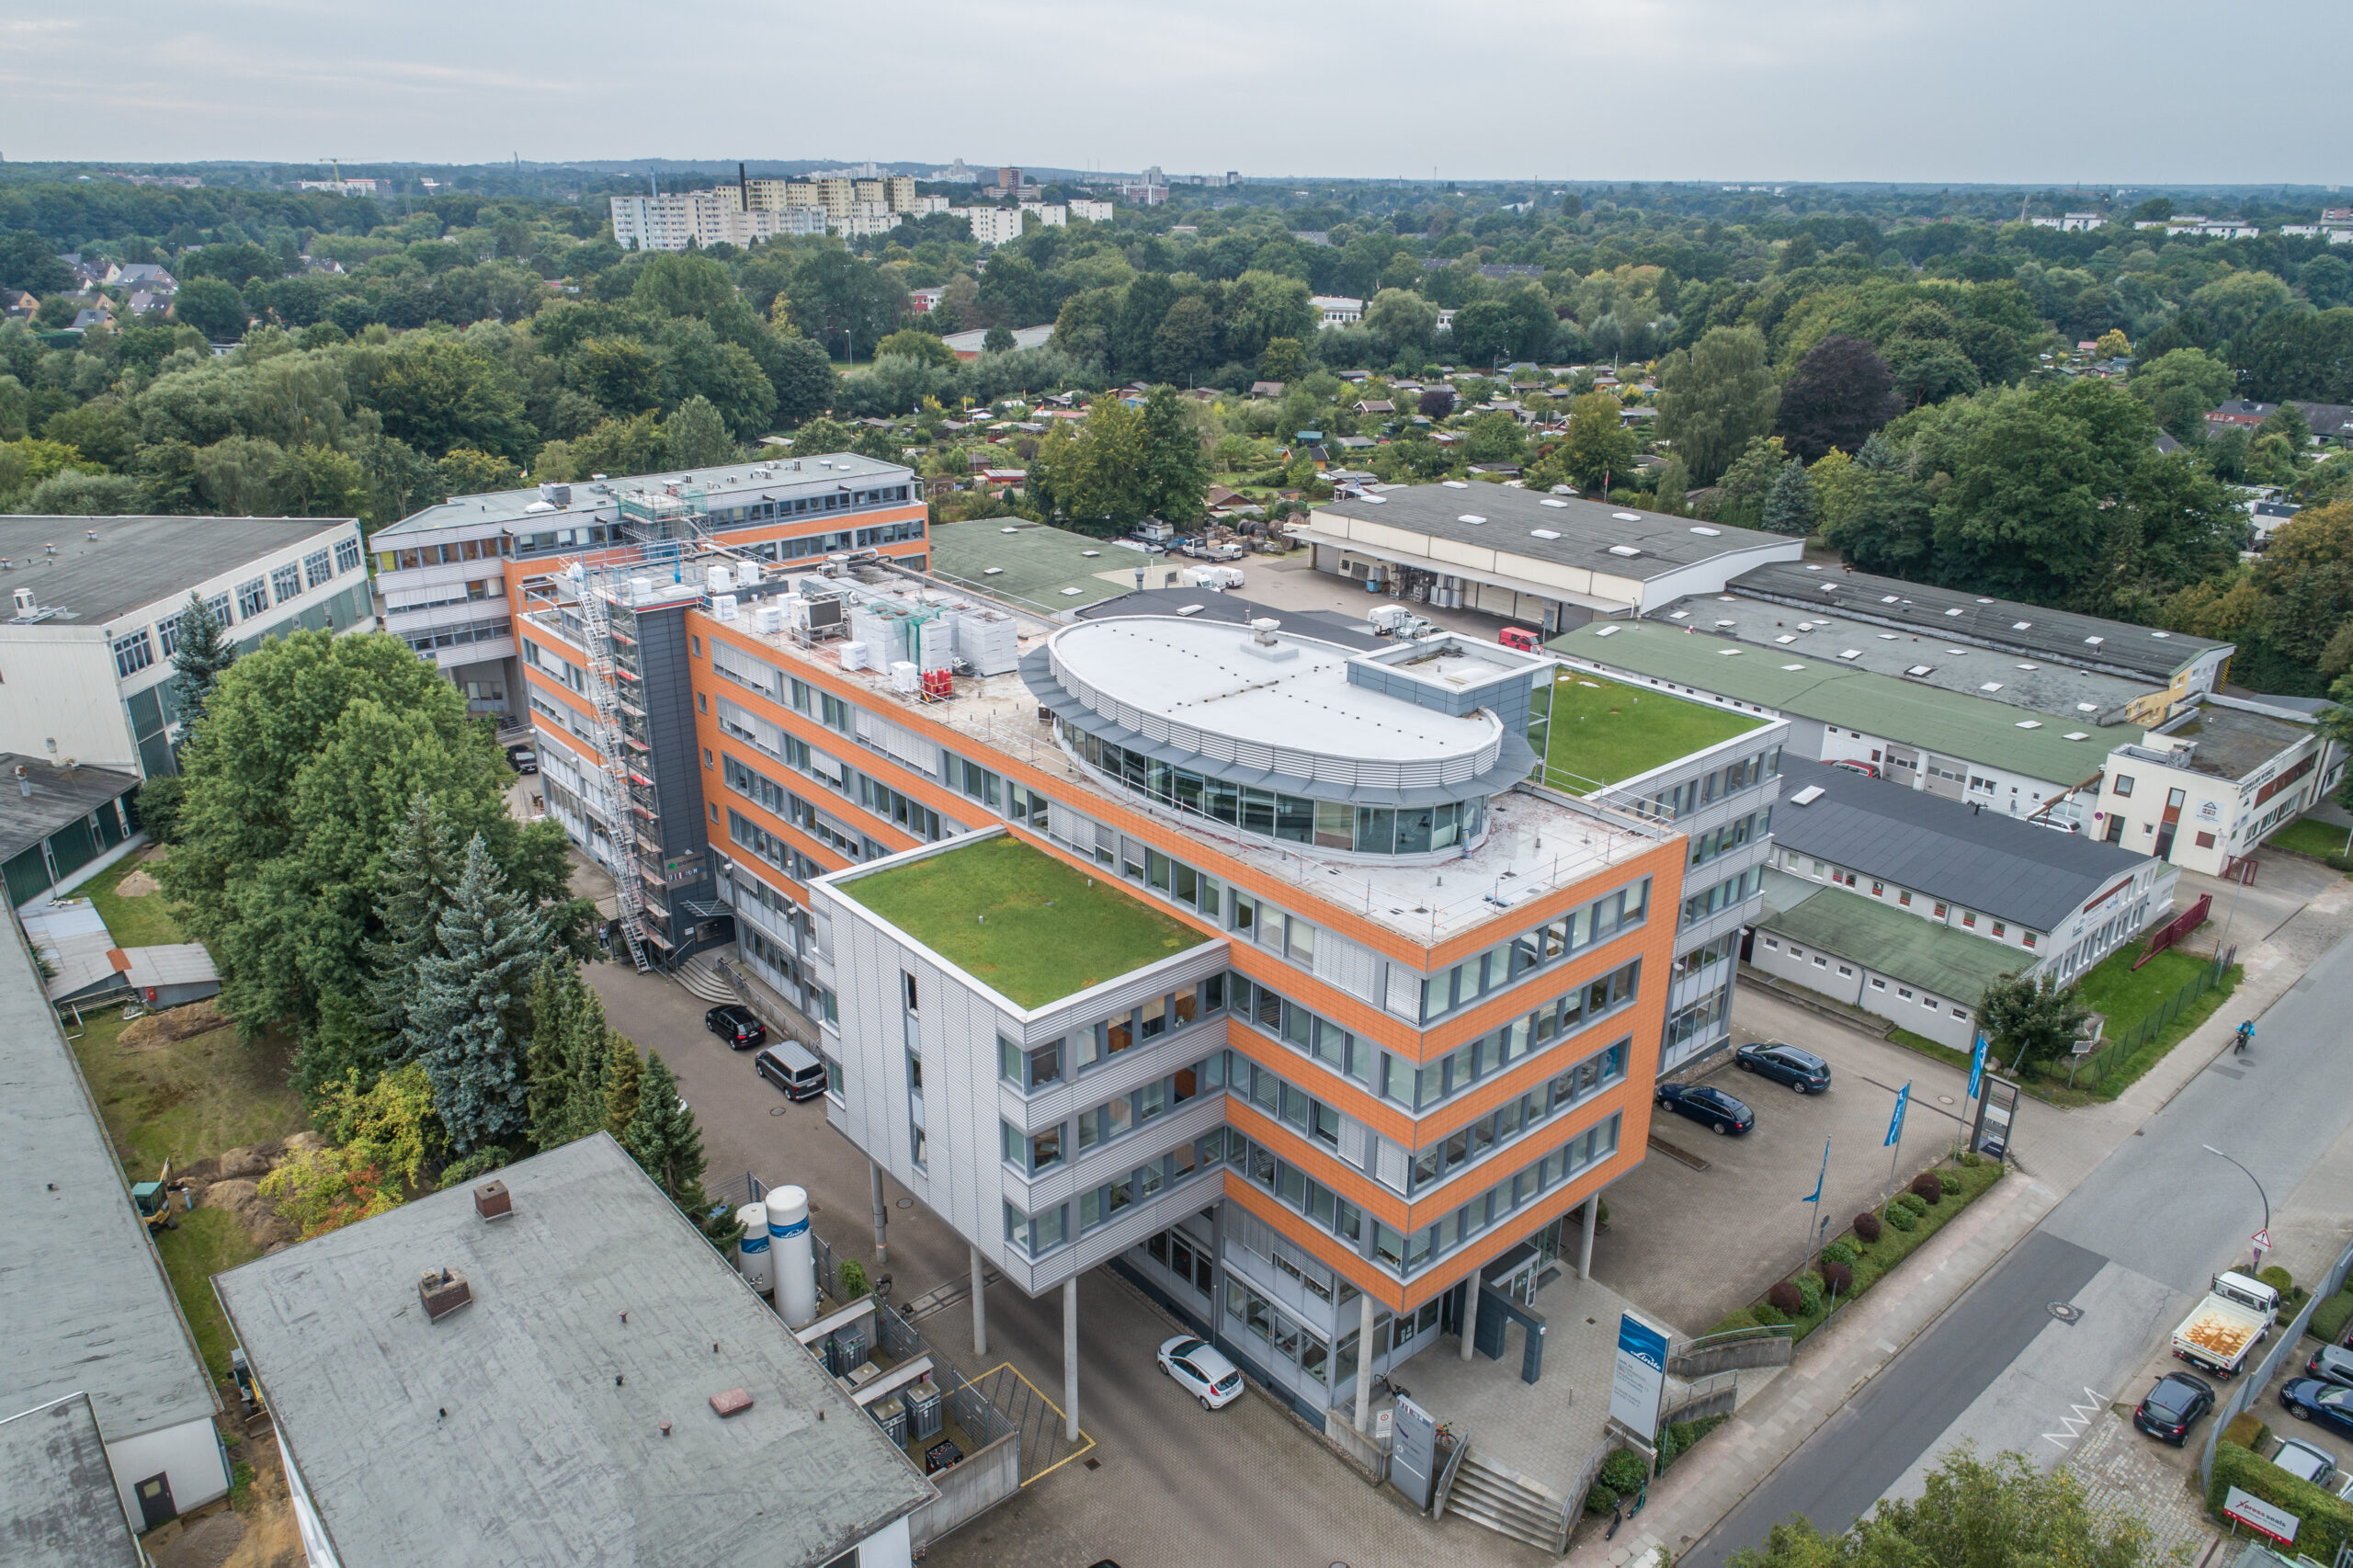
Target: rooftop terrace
[(1032, 928), (1601, 733)]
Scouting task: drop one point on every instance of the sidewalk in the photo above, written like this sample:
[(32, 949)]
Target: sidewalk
[(1834, 1362)]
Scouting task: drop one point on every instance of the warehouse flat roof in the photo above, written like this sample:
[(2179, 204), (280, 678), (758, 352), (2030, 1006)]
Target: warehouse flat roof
[(1974, 729), (1952, 964), (526, 1427), (83, 1294), (59, 798), (602, 496), (135, 562), (59, 1507), (2135, 652), (1591, 532), (1921, 653), (1988, 862), (1034, 565)]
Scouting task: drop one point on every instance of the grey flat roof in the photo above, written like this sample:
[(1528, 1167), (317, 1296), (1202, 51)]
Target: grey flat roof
[(2231, 744), (1587, 529), (82, 1293), (2041, 685), (1988, 862), (59, 799), (137, 560), (2136, 652), (766, 476), (542, 1458), (59, 1507)]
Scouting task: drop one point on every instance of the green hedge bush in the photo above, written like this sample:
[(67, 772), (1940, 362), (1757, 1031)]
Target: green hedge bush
[(1949, 1181), (2328, 1523), (1913, 1203), (1900, 1217), (2330, 1318), (1839, 1252), (1808, 1294)]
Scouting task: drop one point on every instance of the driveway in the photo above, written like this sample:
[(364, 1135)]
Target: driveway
[(1691, 1244)]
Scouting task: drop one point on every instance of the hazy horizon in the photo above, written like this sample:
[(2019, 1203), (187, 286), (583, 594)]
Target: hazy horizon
[(1704, 91)]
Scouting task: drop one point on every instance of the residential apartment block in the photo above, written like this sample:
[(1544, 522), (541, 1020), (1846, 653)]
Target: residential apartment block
[(1243, 958), (85, 653)]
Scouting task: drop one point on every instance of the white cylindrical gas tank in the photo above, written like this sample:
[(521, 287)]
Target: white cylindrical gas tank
[(795, 1264), (752, 1254)]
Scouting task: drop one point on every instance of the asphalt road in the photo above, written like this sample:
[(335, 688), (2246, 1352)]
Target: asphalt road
[(2132, 1246)]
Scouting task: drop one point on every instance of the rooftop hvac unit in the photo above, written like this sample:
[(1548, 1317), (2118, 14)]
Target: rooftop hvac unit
[(923, 1411), (556, 494), (846, 1349), (890, 1415), (822, 614)]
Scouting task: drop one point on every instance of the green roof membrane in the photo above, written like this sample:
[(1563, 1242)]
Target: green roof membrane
[(1603, 732), (1034, 564), (1030, 928), (1897, 944), (1972, 729)]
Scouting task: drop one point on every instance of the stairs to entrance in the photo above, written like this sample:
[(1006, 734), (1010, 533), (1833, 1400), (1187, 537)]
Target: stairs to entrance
[(701, 977), (1510, 1504)]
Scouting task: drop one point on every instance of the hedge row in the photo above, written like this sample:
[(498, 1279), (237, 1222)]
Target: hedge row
[(2328, 1523)]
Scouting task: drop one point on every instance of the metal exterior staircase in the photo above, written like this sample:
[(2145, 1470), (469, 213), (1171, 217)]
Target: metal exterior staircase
[(1510, 1504), (620, 802)]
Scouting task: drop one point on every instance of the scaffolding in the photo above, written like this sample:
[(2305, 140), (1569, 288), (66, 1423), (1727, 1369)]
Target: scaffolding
[(630, 796)]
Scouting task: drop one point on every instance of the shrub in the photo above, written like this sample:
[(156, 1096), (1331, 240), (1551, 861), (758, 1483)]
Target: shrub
[(1810, 1295), (1866, 1228), (2330, 1318), (2328, 1523), (1949, 1181), (1838, 1252), (2278, 1278), (1911, 1203), (1786, 1298), (1972, 1159), (1839, 1277), (1900, 1217), (1624, 1472), (1599, 1499), (852, 1277), (1927, 1188), (2247, 1431), (1768, 1315)]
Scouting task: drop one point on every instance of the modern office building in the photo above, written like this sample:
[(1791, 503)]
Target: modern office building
[(2206, 789), (85, 653), (554, 1366), (82, 1295)]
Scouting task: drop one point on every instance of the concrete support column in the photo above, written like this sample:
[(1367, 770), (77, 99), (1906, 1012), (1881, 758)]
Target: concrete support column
[(980, 1309), (1584, 1245), (1070, 1359), (1364, 1365), (881, 1214), (1471, 1314)]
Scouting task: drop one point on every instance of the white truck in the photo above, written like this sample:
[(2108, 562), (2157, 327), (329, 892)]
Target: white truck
[(2221, 1332)]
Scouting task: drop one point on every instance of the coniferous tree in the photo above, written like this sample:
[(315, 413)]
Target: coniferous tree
[(414, 891), (203, 652), (468, 1019), (667, 1146), (343, 1041), (571, 1057), (1789, 502), (623, 1073)]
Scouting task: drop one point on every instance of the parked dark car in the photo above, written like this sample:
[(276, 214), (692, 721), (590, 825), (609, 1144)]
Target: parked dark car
[(1717, 1109), (1801, 1070), (791, 1067), (2167, 1410), (2309, 1399), (522, 759), (2331, 1364), (737, 1025)]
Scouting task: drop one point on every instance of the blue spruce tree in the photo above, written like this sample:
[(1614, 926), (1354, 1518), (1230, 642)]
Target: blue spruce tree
[(470, 1014)]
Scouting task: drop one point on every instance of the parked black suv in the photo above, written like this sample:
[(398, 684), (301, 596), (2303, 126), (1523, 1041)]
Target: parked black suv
[(1801, 1070), (737, 1025)]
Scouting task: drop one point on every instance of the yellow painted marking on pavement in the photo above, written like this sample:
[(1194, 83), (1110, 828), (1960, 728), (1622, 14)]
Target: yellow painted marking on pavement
[(1078, 1452)]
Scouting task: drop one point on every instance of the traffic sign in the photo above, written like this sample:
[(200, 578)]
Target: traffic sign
[(2263, 1240)]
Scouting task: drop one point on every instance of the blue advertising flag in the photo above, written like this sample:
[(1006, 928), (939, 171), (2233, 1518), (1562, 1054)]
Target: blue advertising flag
[(1818, 1180), (1895, 1122), (1977, 1067)]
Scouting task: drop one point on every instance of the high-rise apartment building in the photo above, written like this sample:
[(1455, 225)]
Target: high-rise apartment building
[(1244, 959)]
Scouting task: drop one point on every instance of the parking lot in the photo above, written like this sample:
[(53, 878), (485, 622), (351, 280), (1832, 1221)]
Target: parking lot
[(1703, 1225)]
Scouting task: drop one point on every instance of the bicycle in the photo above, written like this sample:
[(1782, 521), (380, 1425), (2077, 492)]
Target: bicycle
[(1382, 1386)]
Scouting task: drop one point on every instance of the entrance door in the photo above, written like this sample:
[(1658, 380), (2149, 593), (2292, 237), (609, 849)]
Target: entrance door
[(2164, 842), (155, 1502), (2116, 827)]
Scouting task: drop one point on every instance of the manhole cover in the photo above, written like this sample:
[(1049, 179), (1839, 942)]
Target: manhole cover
[(1944, 1099), (776, 1110), (906, 1203), (2066, 1312)]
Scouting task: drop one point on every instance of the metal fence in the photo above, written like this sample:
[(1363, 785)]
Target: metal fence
[(821, 1251), (2251, 1384), (1765, 1345), (2117, 1050), (1709, 1396)]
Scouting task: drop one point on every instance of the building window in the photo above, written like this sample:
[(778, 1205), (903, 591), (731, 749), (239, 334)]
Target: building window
[(2205, 841), (1878, 984), (2122, 786), (2001, 929), (1941, 911), (252, 599), (167, 633), (347, 555), (2029, 939), (286, 581), (133, 654), (1903, 898), (318, 568)]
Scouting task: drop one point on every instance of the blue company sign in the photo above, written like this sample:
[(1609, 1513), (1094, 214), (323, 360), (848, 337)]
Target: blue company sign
[(1977, 1067), (755, 1241), (786, 1232), (1895, 1122), (1640, 1379)]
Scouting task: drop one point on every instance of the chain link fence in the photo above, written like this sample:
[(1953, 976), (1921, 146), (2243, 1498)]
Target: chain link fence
[(2117, 1052), (2251, 1384)]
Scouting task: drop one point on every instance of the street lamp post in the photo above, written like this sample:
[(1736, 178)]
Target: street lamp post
[(2259, 1192)]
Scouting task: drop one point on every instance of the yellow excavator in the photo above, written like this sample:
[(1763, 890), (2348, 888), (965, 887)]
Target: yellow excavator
[(153, 1199)]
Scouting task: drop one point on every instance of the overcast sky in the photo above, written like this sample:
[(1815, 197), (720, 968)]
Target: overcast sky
[(2045, 93)]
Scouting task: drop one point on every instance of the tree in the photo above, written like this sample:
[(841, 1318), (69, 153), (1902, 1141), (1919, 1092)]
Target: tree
[(413, 891), (1740, 499), (204, 652), (2030, 1017), (26, 263), (1401, 320), (623, 1075), (679, 285), (313, 481), (822, 434), (804, 378), (1185, 341), (2004, 1513), (838, 299), (696, 437), (212, 307), (465, 472), (1282, 359), (1093, 475), (2113, 345), (2179, 388), (1674, 485), (1494, 437), (468, 1019), (1840, 393), (299, 781), (570, 1056), (998, 339), (434, 391), (1598, 445), (1176, 477), (1436, 402), (924, 347), (1790, 505), (1715, 397), (665, 1141), (1263, 306)]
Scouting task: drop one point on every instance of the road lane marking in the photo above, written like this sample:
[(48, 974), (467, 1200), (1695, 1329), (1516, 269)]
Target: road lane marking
[(2072, 1425)]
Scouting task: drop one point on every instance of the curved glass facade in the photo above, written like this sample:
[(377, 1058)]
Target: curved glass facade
[(1295, 819)]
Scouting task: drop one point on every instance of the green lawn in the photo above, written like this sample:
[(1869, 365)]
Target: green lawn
[(2310, 835), (1602, 733), (207, 1242), (1023, 922), (142, 921), (2128, 995)]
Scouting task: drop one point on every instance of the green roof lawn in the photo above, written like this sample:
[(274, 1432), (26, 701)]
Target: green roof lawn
[(1605, 733), (1029, 926)]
